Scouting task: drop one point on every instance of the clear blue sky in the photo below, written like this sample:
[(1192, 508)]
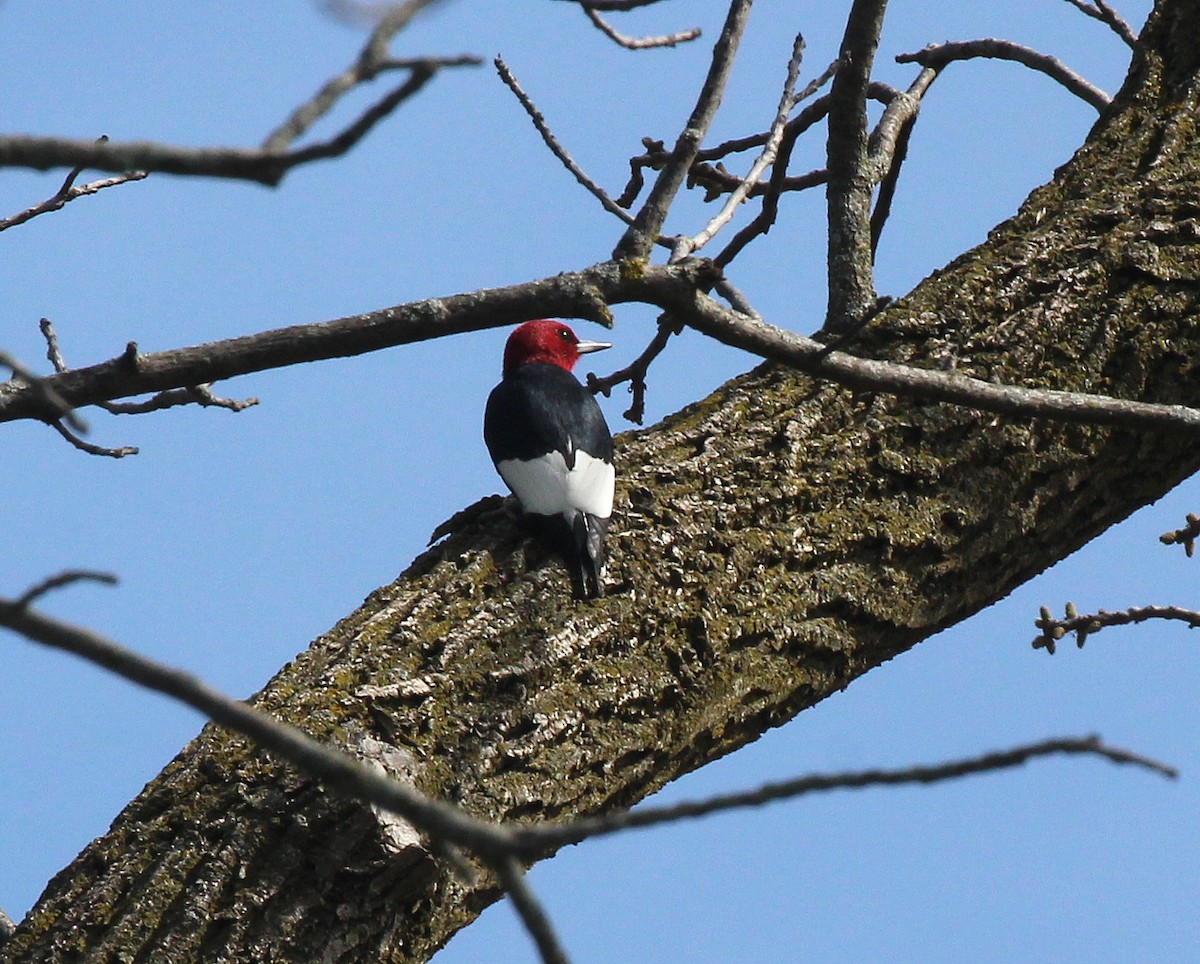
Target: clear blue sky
[(238, 538)]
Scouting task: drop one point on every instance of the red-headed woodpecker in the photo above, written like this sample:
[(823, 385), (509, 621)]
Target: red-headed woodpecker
[(551, 445)]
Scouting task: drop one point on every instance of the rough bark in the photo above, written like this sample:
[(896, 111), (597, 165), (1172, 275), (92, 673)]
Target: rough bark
[(772, 543)]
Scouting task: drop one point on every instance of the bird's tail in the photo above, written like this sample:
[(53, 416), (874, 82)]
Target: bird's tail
[(588, 532)]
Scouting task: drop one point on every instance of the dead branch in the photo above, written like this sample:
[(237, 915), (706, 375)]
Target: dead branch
[(1107, 15), (766, 159), (69, 192), (556, 148), (647, 224), (938, 56), (676, 288), (639, 43)]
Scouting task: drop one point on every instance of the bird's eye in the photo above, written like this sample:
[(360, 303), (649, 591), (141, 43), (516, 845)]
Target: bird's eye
[(564, 334)]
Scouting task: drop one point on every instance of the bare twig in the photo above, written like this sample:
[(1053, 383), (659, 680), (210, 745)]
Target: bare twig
[(769, 152), (1187, 535), (647, 225), (112, 453), (938, 56), (639, 43), (57, 581), (529, 909), (69, 192), (372, 61), (189, 395), (635, 373), (557, 835), (1086, 624), (1107, 15), (779, 182), (888, 147), (556, 148)]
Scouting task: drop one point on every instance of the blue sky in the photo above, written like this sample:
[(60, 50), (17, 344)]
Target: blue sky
[(238, 538)]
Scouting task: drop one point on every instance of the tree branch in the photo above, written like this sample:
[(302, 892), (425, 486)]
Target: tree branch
[(582, 294), (556, 148), (765, 159), (938, 56), (647, 224), (270, 163), (851, 274), (69, 192), (1084, 625), (1107, 15), (638, 43)]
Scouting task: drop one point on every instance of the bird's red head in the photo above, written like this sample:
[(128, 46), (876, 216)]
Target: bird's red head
[(546, 341)]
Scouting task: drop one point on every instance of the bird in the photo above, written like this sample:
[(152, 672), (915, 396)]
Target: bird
[(552, 447)]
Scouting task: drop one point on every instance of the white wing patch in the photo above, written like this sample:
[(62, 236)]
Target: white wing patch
[(545, 486)]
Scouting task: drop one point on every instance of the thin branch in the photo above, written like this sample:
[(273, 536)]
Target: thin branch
[(647, 225), (201, 395), (1187, 535), (1107, 15), (371, 62), (500, 846), (557, 835), (769, 152), (581, 294), (806, 354), (780, 182), (1084, 625), (69, 192), (938, 56), (56, 406), (635, 373), (639, 43), (112, 453), (172, 398), (269, 163), (57, 581), (615, 6), (552, 142), (336, 769), (850, 271), (889, 148), (529, 909)]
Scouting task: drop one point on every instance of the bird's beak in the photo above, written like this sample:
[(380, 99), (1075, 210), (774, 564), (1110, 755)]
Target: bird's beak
[(583, 347)]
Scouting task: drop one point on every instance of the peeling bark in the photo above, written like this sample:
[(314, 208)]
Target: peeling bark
[(772, 543)]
